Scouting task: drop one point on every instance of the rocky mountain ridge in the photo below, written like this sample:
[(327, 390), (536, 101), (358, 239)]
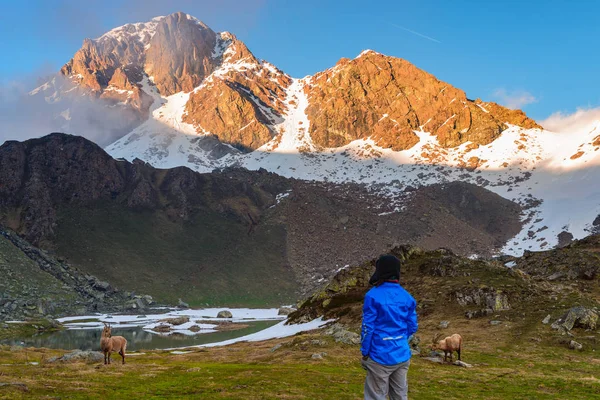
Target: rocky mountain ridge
[(375, 120), (233, 91), (178, 233)]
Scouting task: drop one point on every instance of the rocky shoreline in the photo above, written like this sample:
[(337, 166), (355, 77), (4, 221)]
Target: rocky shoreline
[(65, 290)]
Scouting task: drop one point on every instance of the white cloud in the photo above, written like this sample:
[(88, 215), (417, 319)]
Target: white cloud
[(577, 121), (514, 99)]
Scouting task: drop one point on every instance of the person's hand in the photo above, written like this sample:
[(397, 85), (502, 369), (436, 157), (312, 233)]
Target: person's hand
[(363, 360)]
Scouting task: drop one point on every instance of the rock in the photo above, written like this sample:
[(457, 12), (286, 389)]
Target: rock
[(413, 343), (436, 353), (176, 320), (444, 324), (224, 314), (492, 299), (17, 385), (195, 328), (342, 335), (163, 328), (285, 311), (102, 285), (182, 304), (79, 356), (317, 342), (462, 364), (479, 313), (546, 320), (573, 345), (495, 322), (318, 356), (577, 317), (276, 347)]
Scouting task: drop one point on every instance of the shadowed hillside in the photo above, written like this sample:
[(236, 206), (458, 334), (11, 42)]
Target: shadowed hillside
[(229, 237)]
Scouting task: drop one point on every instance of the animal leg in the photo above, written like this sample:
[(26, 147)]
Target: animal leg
[(105, 358), (109, 353), (122, 353), (458, 351)]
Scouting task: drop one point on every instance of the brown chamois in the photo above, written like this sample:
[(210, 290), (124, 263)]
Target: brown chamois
[(448, 345), (112, 344)]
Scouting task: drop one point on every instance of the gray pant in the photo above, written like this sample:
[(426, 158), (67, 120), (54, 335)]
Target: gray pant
[(384, 380)]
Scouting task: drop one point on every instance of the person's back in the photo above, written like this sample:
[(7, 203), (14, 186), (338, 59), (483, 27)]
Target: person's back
[(389, 319)]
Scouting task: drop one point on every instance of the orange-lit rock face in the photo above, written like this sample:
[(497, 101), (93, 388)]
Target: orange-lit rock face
[(388, 98), (242, 104), (229, 114), (241, 99), (180, 54)]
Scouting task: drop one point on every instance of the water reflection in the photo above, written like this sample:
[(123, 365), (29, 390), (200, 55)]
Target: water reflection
[(137, 338)]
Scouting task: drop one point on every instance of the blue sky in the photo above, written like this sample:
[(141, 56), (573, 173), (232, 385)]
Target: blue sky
[(541, 56)]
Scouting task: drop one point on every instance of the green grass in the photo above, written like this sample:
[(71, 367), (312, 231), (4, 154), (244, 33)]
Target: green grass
[(252, 371), (208, 260)]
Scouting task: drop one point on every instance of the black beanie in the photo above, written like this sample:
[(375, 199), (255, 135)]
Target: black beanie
[(387, 268)]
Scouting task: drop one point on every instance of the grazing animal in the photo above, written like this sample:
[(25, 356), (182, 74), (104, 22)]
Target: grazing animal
[(112, 344), (448, 345)]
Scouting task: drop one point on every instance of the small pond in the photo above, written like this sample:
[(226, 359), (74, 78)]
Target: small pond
[(137, 338), (83, 332)]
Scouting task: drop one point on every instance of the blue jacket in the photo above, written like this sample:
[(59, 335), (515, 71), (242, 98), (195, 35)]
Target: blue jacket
[(389, 319)]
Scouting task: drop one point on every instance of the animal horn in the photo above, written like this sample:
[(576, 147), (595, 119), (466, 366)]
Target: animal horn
[(436, 337)]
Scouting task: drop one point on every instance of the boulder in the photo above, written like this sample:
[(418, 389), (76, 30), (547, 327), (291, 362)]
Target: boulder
[(577, 317), (462, 364), (176, 320), (79, 356), (444, 324), (182, 304), (276, 347), (102, 285), (573, 345), (342, 335), (413, 343), (285, 311), (546, 320), (490, 298), (318, 356), (224, 314)]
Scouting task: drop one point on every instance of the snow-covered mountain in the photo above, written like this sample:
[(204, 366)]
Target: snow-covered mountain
[(201, 99)]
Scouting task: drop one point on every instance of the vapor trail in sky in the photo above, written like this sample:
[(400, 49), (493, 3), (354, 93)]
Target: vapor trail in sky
[(416, 33)]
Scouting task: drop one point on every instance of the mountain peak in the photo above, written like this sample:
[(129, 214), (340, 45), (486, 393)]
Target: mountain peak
[(141, 31)]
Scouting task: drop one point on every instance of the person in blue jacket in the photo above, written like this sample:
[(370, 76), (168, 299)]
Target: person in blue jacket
[(389, 319)]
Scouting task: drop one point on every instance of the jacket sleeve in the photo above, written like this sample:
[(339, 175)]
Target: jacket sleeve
[(368, 325), (412, 324)]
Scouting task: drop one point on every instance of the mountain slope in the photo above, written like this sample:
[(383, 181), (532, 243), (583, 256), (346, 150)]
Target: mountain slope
[(175, 93), (35, 284), (449, 287), (232, 236)]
